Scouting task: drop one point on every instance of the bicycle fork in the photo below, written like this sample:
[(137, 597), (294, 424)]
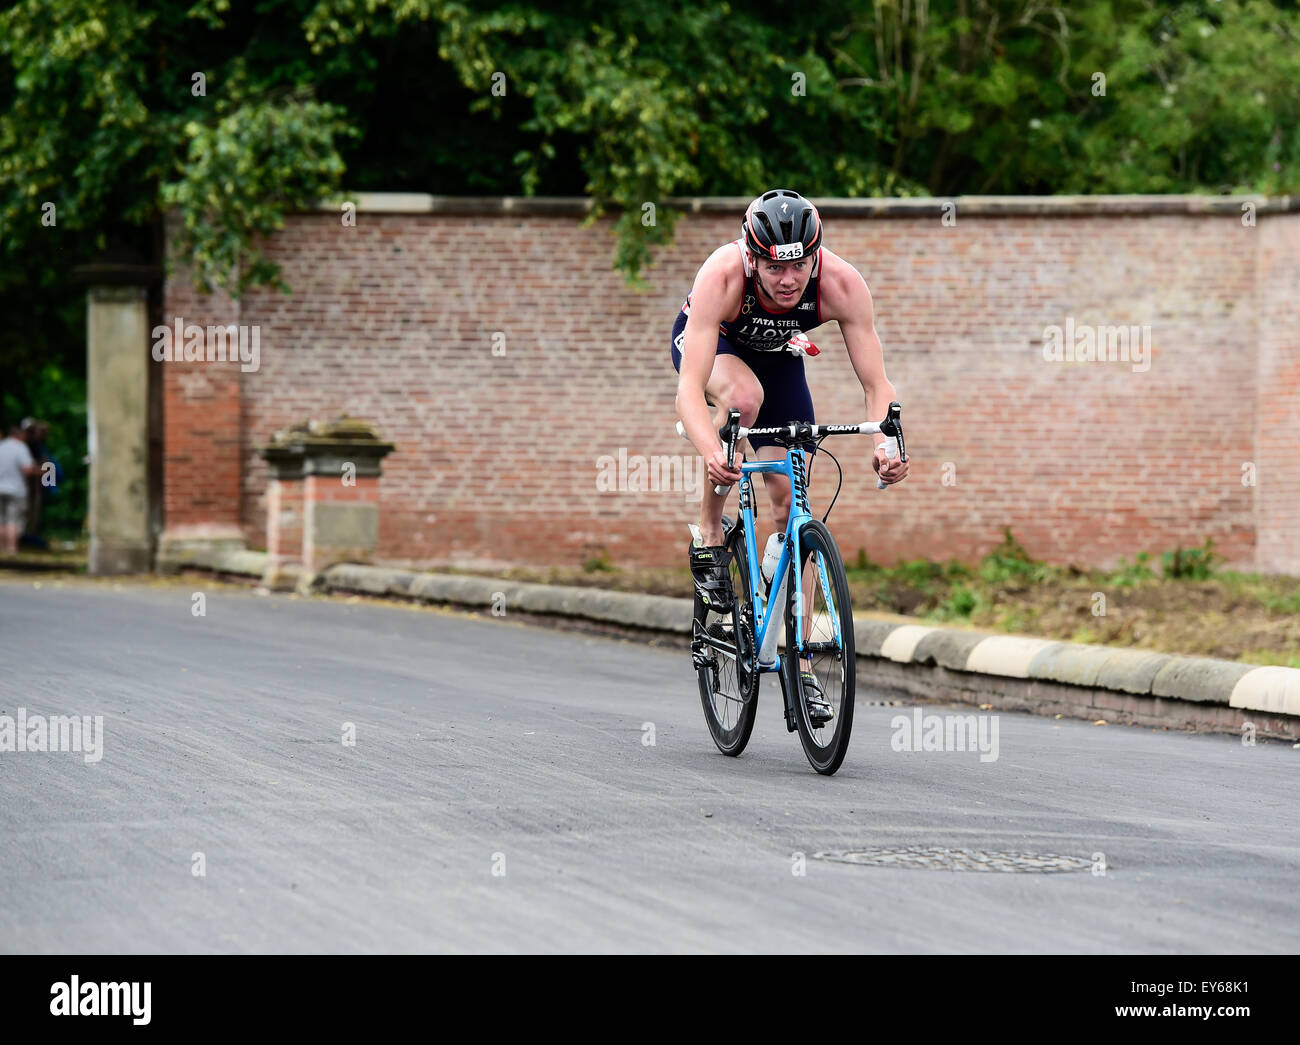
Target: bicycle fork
[(793, 646)]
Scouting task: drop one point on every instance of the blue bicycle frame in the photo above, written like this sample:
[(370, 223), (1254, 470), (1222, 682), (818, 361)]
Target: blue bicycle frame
[(768, 614)]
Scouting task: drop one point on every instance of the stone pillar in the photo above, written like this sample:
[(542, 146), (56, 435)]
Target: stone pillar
[(340, 520), (284, 509), (323, 502), (117, 392)]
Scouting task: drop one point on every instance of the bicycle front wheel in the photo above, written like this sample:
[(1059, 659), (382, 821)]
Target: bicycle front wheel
[(726, 661), (825, 648)]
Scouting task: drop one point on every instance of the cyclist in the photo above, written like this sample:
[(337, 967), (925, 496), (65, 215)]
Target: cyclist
[(739, 341)]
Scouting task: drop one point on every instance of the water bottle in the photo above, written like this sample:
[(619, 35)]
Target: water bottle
[(772, 555), (776, 599)]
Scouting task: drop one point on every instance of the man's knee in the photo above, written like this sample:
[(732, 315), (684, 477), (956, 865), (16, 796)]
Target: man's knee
[(746, 398)]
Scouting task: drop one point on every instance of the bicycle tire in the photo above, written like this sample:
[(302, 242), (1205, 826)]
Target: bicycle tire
[(739, 690), (825, 754)]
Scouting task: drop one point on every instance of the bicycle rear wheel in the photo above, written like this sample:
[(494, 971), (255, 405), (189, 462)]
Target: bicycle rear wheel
[(828, 647), (722, 646)]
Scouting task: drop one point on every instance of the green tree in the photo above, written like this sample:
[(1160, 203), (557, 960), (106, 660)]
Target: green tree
[(626, 102)]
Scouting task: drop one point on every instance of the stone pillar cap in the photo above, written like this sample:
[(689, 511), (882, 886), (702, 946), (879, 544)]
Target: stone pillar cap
[(320, 447), (341, 429)]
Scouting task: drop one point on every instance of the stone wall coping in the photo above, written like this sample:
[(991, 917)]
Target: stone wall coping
[(876, 207)]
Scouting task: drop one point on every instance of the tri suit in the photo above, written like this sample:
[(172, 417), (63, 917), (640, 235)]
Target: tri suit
[(762, 340)]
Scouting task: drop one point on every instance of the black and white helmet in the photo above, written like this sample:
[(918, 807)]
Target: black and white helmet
[(783, 226)]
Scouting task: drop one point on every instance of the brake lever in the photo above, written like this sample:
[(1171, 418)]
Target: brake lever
[(728, 434), (892, 428)]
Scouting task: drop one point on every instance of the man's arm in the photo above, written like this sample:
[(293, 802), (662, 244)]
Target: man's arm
[(26, 463), (713, 300), (846, 299)]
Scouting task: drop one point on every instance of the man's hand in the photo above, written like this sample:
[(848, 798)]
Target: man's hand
[(718, 471), (890, 469)]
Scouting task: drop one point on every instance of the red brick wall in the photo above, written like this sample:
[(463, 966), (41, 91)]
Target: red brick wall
[(203, 426), (496, 457), (1277, 433)]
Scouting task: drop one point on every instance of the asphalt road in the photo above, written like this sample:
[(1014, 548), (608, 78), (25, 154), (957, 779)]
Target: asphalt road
[(500, 796)]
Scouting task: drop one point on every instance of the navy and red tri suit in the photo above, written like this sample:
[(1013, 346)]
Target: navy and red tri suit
[(762, 340)]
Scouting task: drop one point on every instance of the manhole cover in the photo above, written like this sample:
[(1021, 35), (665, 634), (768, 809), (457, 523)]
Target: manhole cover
[(934, 858)]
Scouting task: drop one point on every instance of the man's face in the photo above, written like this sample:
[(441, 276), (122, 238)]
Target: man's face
[(784, 281)]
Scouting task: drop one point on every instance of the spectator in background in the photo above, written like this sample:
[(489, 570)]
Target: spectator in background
[(16, 466), (35, 433)]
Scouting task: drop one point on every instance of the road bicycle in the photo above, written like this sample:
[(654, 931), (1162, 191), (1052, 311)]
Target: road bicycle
[(731, 651)]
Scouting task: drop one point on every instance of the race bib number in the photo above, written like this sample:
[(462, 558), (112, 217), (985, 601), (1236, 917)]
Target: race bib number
[(786, 251)]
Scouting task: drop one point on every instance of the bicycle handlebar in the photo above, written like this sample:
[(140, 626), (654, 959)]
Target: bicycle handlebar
[(802, 432)]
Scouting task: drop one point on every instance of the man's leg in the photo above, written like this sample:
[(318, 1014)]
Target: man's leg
[(777, 487), (731, 384), (8, 527), (34, 499)]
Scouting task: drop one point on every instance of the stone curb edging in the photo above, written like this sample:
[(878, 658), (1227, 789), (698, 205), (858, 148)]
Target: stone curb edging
[(654, 612), (1139, 673)]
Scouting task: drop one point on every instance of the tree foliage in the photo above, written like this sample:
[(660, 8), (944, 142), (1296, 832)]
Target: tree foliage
[(626, 102)]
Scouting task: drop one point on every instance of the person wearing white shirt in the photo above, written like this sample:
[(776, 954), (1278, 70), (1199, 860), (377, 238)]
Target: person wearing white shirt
[(16, 465)]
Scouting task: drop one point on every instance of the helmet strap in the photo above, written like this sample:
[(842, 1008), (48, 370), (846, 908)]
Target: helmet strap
[(759, 283)]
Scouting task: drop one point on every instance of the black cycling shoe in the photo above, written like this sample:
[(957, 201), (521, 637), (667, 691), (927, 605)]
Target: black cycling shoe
[(712, 578), (819, 709)]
